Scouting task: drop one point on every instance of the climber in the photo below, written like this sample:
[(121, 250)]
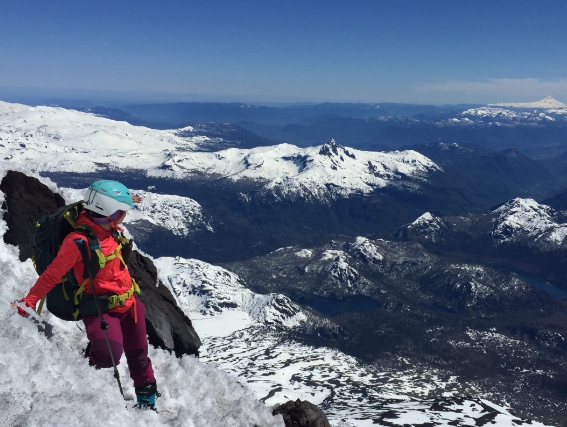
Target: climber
[(105, 207)]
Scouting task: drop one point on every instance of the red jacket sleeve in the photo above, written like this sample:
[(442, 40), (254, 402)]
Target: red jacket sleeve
[(66, 258)]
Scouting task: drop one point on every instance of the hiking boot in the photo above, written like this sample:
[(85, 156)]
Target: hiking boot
[(146, 395)]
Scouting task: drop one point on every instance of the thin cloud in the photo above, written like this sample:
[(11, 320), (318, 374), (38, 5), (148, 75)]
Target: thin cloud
[(529, 87)]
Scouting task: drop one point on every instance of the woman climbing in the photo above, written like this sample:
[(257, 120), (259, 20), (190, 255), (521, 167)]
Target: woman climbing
[(106, 204)]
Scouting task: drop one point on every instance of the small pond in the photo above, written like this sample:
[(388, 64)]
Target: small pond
[(556, 292)]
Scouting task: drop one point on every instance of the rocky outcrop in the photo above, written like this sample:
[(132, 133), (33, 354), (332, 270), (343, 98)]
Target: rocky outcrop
[(167, 326), (27, 199), (301, 414)]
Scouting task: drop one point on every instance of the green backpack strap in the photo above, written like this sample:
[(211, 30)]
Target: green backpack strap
[(116, 300), (93, 246), (96, 260)]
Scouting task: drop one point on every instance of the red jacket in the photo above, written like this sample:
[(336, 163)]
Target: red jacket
[(114, 278)]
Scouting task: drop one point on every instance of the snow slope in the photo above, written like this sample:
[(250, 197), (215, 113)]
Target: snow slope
[(9, 108), (525, 219), (47, 382), (213, 293), (58, 140), (347, 391), (180, 215)]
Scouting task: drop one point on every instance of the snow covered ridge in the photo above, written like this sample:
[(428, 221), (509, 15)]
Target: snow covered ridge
[(367, 249), (58, 140), (508, 115), (311, 173), (206, 290), (8, 108), (518, 220), (544, 111), (521, 219), (546, 103), (428, 227), (334, 170), (180, 215)]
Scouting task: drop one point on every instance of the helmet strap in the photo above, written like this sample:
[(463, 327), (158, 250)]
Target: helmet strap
[(114, 226)]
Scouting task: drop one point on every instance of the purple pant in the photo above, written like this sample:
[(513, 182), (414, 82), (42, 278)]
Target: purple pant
[(125, 335)]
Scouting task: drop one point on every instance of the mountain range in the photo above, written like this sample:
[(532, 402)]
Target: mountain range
[(434, 274), (367, 126), (325, 189), (259, 338)]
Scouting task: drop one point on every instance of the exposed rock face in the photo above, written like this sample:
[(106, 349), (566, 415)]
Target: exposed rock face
[(167, 325), (27, 199), (301, 414)]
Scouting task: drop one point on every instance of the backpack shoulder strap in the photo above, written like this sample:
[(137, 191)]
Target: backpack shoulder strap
[(125, 247), (72, 212), (93, 258)]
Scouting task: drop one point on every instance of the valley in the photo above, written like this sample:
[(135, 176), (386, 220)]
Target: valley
[(436, 272)]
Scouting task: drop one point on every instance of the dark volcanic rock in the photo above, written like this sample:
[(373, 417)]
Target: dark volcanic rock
[(166, 324), (26, 200), (301, 414)]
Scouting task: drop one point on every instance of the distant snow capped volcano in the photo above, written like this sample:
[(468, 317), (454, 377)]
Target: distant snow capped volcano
[(547, 103)]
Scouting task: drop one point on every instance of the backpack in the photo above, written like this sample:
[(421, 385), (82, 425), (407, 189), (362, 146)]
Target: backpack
[(67, 300)]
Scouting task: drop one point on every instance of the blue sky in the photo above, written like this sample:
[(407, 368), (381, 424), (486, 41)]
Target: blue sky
[(415, 51)]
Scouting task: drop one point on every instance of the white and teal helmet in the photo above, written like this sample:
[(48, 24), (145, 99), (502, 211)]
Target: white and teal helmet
[(106, 197)]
